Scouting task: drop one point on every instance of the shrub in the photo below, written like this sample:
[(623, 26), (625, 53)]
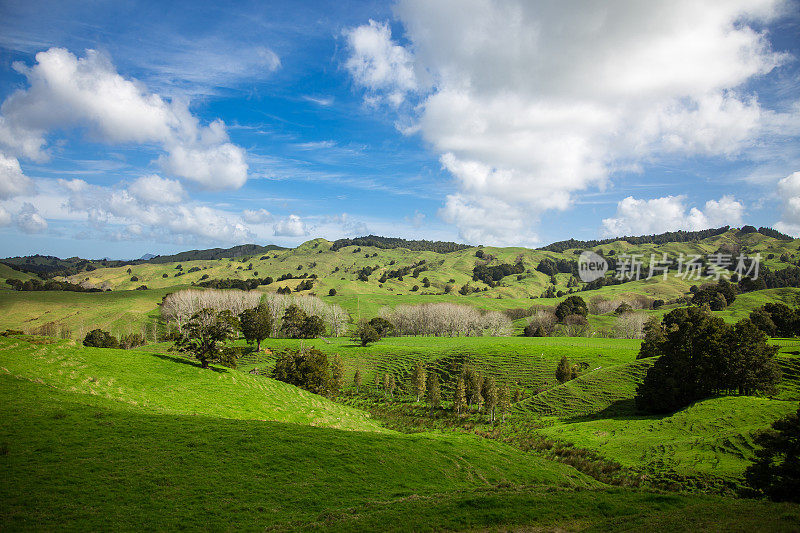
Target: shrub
[(134, 278), (365, 334), (308, 369), (332, 292), (97, 338), (132, 340), (572, 305), (776, 470)]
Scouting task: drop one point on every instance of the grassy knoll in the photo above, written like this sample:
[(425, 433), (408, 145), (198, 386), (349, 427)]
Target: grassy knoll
[(171, 385), (713, 437)]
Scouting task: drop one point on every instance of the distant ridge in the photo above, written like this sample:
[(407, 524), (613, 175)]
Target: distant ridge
[(215, 253), (661, 238), (376, 241), (146, 257)]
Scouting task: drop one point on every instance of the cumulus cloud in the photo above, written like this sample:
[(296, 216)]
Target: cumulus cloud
[(157, 190), (142, 217), (5, 217), (641, 217), (70, 92), (789, 191), (529, 103), (378, 64), (257, 216), (12, 181), (291, 226), (29, 220)]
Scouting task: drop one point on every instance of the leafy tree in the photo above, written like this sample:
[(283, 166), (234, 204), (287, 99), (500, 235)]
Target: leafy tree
[(365, 334), (434, 393), (776, 470), (701, 356), (418, 380), (308, 369), (389, 383), (786, 319), (763, 321), (377, 381), (572, 305), (357, 380), (489, 393), (205, 336), (653, 338), (132, 340), (623, 308), (382, 326), (256, 324), (298, 325), (337, 373), (460, 395), (97, 338), (332, 292), (504, 400), (563, 370)]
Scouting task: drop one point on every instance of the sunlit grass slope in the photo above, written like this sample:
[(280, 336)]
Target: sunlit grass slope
[(172, 385)]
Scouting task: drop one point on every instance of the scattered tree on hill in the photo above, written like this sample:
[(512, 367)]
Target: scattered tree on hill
[(297, 324), (777, 319), (205, 336), (97, 338), (701, 355), (563, 370), (419, 379), (433, 391), (389, 383), (337, 373), (382, 326), (365, 334), (504, 400), (377, 381), (357, 380), (307, 369), (653, 338), (776, 470), (256, 324), (460, 395), (332, 292), (131, 340), (489, 393), (572, 305)]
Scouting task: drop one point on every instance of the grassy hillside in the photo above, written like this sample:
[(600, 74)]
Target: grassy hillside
[(74, 459), (169, 385), (713, 436), (526, 362)]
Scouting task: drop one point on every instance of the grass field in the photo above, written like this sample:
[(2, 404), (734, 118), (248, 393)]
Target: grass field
[(74, 459)]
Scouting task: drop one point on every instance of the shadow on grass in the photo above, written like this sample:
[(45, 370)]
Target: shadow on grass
[(618, 410), (184, 361)]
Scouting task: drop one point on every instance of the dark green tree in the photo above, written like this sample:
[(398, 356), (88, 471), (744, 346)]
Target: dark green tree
[(572, 305), (563, 370), (308, 369), (337, 373), (382, 326), (97, 338), (460, 395), (776, 470), (419, 378), (433, 391), (205, 336), (653, 339), (365, 334), (256, 324)]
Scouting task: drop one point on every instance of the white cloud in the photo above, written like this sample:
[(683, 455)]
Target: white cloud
[(257, 216), (69, 92), (528, 103), (29, 220), (157, 190), (5, 217), (377, 64), (268, 58), (658, 215), (12, 181), (789, 191), (291, 226), (324, 101)]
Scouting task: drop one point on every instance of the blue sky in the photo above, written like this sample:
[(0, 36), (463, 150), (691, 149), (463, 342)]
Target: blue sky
[(130, 127)]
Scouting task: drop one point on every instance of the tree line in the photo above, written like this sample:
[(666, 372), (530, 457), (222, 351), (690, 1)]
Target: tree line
[(375, 241)]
